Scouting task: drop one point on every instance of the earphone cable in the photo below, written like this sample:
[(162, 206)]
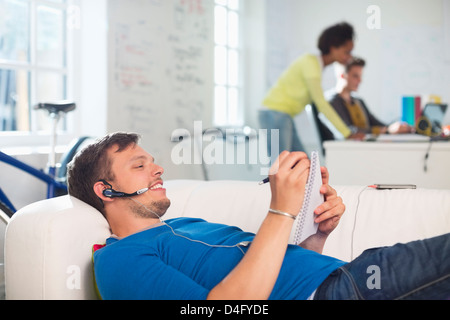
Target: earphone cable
[(238, 245)]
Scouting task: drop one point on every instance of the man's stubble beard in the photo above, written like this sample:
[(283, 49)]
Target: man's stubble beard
[(152, 210)]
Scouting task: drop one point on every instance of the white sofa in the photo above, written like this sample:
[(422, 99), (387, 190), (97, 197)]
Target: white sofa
[(48, 244)]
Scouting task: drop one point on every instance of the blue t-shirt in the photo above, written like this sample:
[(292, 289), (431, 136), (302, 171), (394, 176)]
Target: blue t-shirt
[(158, 264)]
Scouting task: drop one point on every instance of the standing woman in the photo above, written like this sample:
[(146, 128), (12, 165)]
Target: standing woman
[(301, 84)]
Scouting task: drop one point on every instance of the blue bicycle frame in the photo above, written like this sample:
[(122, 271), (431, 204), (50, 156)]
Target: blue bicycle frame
[(52, 184)]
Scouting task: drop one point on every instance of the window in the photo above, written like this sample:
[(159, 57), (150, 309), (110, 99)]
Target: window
[(33, 61), (227, 54)]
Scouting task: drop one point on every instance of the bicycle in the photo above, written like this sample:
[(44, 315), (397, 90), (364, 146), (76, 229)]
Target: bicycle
[(56, 184)]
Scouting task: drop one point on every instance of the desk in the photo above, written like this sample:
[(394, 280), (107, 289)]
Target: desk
[(366, 163)]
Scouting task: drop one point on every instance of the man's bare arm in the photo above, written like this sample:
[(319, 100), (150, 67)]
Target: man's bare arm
[(255, 276)]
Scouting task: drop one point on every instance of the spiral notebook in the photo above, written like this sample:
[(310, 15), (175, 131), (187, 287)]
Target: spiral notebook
[(305, 225)]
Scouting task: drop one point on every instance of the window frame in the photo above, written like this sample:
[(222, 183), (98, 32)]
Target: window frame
[(31, 67), (239, 116)]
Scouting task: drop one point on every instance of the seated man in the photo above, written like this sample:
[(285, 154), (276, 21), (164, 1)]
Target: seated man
[(353, 110), (183, 258)]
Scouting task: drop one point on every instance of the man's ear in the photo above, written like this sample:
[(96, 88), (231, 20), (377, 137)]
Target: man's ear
[(98, 189)]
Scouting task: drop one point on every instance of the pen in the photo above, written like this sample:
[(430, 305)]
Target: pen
[(266, 180), (393, 186)]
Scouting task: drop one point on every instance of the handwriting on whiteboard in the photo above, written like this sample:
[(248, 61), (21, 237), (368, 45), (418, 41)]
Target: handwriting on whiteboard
[(161, 59)]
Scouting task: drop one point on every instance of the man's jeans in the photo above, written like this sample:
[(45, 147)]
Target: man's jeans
[(288, 137), (417, 270)]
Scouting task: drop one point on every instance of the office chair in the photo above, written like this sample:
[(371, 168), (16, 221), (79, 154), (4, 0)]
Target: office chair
[(323, 133)]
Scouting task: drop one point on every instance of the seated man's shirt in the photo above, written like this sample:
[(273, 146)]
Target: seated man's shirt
[(356, 114), (187, 263)]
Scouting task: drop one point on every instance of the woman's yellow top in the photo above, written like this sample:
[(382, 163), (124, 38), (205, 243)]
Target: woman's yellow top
[(300, 85)]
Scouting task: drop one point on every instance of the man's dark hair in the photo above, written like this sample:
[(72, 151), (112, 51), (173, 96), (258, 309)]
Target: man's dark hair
[(335, 36), (92, 164), (355, 62)]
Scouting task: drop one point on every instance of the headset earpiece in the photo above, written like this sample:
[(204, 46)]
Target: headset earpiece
[(111, 193)]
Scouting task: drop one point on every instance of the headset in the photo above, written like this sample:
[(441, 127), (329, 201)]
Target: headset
[(111, 193)]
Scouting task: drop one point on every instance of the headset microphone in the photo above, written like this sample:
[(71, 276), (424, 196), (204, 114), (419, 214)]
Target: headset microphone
[(111, 193)]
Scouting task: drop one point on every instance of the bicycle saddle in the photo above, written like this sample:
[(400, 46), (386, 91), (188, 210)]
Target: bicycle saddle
[(56, 107)]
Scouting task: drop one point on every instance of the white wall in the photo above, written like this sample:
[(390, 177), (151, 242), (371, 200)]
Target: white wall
[(410, 54), (406, 56), (255, 55)]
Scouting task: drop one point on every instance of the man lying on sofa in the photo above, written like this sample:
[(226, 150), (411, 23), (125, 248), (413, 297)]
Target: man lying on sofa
[(184, 258)]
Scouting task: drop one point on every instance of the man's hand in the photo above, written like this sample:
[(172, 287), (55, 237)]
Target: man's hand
[(328, 215), (330, 212), (288, 177)]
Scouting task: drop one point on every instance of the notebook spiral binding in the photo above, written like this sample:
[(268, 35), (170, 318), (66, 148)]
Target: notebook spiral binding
[(308, 190)]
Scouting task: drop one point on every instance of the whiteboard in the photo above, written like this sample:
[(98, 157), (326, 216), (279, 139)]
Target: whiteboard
[(160, 71)]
